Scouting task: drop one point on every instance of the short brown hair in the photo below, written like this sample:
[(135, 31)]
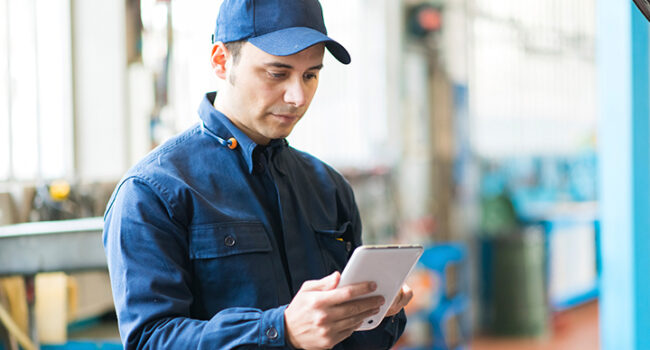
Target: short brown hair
[(234, 47)]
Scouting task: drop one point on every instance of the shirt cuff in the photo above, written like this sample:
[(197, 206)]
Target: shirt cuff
[(272, 327)]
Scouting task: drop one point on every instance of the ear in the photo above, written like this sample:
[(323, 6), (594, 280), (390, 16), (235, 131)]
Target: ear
[(218, 59)]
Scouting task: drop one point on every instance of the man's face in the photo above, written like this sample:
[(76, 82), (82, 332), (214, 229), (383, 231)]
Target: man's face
[(265, 95)]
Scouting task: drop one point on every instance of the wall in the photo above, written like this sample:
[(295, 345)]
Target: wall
[(99, 61)]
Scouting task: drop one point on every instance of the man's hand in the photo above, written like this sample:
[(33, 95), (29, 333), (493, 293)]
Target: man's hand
[(405, 295), (320, 316)]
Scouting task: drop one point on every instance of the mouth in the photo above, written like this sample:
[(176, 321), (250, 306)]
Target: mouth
[(286, 118)]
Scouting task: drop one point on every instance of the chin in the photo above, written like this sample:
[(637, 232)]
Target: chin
[(280, 134)]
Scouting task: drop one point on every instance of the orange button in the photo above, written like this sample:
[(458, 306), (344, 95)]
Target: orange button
[(232, 143)]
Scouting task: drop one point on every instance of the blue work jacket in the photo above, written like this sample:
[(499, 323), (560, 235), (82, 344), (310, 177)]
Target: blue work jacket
[(207, 243)]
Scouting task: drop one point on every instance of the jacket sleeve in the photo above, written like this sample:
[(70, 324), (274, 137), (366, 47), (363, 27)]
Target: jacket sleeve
[(388, 332), (149, 266)]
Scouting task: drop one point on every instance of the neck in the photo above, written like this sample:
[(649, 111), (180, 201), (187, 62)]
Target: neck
[(221, 104)]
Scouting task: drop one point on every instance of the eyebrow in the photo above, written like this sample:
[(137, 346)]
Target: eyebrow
[(286, 66)]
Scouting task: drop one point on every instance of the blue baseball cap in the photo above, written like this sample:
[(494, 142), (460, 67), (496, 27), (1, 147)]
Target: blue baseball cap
[(277, 27)]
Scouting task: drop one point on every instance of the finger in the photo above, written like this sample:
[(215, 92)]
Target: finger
[(326, 283), (406, 298), (399, 297), (352, 323), (394, 309), (355, 307), (341, 329), (346, 333), (395, 305), (401, 300), (347, 293), (407, 290)]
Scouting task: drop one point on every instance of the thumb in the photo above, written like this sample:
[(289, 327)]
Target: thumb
[(326, 283), (407, 294)]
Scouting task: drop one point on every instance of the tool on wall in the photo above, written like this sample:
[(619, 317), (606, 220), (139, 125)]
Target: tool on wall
[(59, 200)]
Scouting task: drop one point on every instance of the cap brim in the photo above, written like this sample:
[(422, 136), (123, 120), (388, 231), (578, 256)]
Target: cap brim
[(289, 41)]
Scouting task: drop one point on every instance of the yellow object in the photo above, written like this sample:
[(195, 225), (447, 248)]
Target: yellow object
[(14, 290), (51, 307), (15, 330), (59, 190)]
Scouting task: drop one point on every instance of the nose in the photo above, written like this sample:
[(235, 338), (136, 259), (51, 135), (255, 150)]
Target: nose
[(296, 93)]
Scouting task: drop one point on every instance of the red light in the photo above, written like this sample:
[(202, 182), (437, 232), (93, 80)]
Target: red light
[(429, 19)]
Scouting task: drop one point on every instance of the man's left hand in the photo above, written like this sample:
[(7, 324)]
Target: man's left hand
[(405, 295)]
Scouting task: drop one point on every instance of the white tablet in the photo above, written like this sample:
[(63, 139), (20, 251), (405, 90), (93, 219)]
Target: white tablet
[(386, 265)]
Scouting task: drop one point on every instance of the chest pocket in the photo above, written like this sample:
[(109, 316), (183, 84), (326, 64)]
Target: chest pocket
[(233, 266), (335, 246), (222, 240)]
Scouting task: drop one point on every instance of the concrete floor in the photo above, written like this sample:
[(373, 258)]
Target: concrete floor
[(573, 329)]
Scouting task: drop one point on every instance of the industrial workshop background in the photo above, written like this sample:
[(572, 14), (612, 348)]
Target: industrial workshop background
[(509, 137)]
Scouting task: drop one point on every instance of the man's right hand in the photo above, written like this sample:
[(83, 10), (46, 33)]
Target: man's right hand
[(321, 316)]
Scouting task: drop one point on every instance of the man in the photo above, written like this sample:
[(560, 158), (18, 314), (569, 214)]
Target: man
[(225, 237)]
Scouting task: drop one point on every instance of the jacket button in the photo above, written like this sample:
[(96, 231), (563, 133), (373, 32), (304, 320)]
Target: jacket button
[(272, 333), (348, 246), (229, 241)]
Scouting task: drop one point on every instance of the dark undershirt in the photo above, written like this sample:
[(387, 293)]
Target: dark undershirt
[(261, 157)]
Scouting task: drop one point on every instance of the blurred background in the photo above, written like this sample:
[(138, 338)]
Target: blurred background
[(502, 135)]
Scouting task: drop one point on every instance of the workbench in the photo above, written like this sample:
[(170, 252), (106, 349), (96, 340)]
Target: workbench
[(50, 246), (66, 245)]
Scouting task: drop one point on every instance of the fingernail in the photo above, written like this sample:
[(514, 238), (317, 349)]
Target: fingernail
[(373, 286)]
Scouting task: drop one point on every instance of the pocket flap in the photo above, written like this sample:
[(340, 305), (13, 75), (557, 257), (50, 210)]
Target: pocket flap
[(224, 239), (336, 233)]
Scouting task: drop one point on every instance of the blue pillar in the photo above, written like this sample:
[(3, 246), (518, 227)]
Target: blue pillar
[(624, 141)]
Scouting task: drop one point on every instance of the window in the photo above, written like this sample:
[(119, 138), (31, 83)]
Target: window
[(35, 89), (533, 82)]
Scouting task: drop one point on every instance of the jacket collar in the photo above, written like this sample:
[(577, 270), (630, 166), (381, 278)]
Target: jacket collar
[(219, 124)]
